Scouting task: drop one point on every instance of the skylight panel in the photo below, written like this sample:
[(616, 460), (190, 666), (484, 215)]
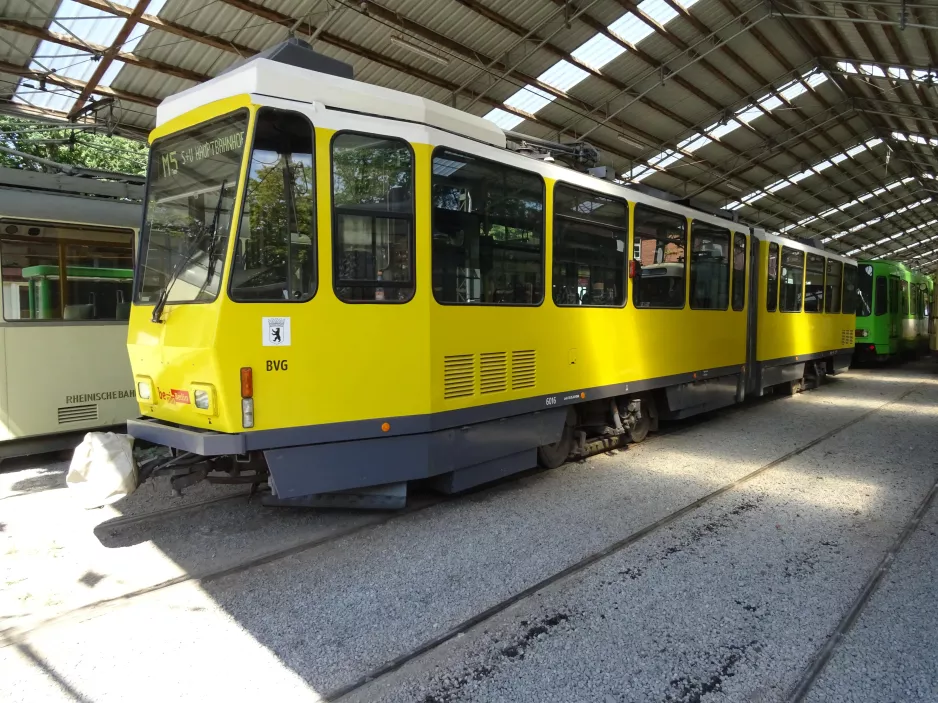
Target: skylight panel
[(529, 99), (816, 79), (748, 114), (598, 51), (630, 28), (563, 75), (505, 120), (91, 26), (721, 130), (770, 103), (793, 91), (658, 10), (838, 158), (871, 70), (856, 150), (692, 144), (595, 52)]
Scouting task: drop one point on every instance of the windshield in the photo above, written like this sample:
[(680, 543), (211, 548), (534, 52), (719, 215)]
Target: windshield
[(192, 181), (865, 291)]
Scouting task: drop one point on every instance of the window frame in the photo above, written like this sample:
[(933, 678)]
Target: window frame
[(804, 285), (804, 270), (139, 261), (843, 288), (745, 240), (840, 298), (553, 240), (433, 156), (634, 234), (22, 221), (729, 268), (246, 167), (893, 297), (769, 278), (334, 212)]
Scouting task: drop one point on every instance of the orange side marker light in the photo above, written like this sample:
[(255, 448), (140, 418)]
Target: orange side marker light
[(385, 426), (247, 382)]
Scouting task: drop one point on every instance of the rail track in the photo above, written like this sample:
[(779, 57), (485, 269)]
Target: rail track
[(800, 690), (596, 556)]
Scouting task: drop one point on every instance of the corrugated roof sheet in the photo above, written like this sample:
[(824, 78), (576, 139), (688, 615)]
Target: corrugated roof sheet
[(496, 48)]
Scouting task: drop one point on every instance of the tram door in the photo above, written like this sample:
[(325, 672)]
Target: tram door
[(894, 318)]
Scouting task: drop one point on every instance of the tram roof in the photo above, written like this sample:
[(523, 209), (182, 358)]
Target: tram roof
[(275, 79)]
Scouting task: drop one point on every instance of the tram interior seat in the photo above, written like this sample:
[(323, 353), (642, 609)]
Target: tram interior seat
[(123, 311), (79, 312)]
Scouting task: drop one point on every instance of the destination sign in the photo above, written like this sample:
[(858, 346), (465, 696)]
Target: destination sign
[(199, 151)]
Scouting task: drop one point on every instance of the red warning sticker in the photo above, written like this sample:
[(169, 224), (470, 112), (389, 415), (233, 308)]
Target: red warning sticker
[(180, 396)]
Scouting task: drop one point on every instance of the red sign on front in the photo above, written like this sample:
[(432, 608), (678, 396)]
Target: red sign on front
[(181, 396)]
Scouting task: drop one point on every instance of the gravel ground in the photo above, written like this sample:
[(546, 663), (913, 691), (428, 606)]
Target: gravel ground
[(729, 603), (51, 567), (327, 616), (890, 653)]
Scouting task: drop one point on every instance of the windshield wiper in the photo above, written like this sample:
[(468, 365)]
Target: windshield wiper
[(183, 262)]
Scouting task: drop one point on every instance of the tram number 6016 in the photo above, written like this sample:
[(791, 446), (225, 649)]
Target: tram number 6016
[(551, 400)]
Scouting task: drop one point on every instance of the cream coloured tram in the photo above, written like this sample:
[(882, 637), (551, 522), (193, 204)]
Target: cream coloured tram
[(66, 251)]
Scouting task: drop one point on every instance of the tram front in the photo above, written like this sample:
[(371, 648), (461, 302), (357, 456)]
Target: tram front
[(229, 210), (193, 188)]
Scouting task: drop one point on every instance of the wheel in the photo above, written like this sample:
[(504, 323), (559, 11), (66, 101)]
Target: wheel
[(641, 429), (550, 456)]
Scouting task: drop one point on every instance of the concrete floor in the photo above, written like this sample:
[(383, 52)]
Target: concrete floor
[(730, 601)]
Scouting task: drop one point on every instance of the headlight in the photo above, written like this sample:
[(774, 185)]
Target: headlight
[(247, 412), (201, 399), (863, 333), (143, 390)]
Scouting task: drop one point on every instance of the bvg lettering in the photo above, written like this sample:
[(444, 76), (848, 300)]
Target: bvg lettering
[(276, 364)]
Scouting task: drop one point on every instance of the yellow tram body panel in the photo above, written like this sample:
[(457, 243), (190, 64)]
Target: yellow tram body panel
[(794, 335), (349, 362)]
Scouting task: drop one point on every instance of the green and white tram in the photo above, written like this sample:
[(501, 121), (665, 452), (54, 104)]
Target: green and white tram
[(66, 265)]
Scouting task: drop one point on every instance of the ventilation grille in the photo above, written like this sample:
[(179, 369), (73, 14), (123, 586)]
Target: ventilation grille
[(493, 372), (78, 413), (846, 338), (523, 369), (458, 375)]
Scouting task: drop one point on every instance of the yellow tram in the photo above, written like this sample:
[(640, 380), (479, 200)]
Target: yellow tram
[(344, 286)]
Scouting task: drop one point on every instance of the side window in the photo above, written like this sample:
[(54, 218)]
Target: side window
[(275, 253), (739, 271), (881, 296), (893, 295), (771, 281), (832, 290), (709, 267), (64, 272), (659, 241), (590, 241), (373, 211), (904, 299), (792, 288), (488, 232), (851, 293), (814, 284)]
